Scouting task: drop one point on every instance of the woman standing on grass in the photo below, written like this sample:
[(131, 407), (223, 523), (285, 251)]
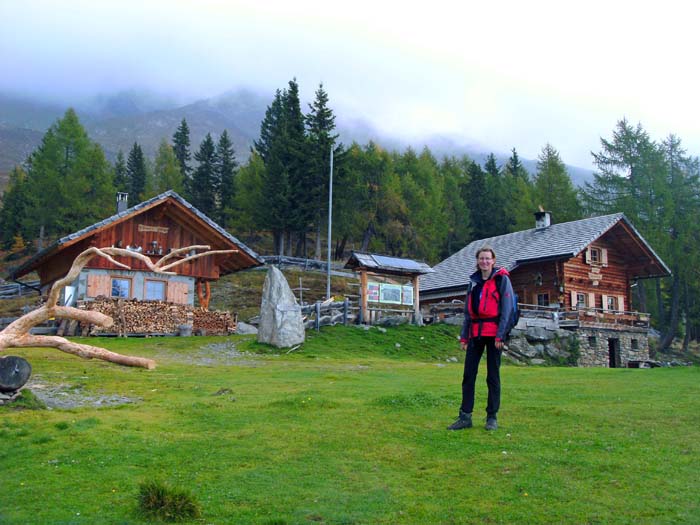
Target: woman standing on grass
[(487, 309)]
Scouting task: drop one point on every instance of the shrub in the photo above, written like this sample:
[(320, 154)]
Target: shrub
[(156, 500)]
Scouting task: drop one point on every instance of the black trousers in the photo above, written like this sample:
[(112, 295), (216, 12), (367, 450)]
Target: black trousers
[(493, 376)]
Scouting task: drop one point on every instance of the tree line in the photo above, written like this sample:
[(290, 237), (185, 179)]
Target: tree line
[(406, 203)]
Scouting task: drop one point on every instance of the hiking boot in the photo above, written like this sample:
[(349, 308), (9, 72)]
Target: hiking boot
[(463, 421), (491, 423)]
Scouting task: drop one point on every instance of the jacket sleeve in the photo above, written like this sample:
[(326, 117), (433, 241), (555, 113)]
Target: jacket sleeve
[(464, 336), (506, 306)]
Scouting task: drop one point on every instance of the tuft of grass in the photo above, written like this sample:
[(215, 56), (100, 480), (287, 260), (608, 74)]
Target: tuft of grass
[(416, 400), (159, 501), (27, 401)]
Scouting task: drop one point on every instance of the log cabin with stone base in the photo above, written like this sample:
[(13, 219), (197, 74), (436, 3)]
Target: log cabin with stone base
[(576, 276), (154, 228)]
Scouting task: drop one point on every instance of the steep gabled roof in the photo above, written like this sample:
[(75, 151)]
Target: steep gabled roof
[(73, 238), (558, 241)]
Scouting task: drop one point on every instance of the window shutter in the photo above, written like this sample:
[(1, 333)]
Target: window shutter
[(605, 303), (98, 285), (588, 256), (591, 300), (573, 299), (604, 256), (621, 303), (177, 292)]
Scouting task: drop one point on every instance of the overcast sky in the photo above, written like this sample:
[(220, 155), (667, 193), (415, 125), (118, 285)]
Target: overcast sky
[(501, 74)]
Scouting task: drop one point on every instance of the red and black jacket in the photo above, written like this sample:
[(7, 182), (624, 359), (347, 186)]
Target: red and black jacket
[(488, 305)]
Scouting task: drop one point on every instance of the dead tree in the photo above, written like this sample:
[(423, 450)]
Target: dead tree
[(17, 334)]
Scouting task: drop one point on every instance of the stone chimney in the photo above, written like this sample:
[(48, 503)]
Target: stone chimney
[(543, 219), (122, 202)]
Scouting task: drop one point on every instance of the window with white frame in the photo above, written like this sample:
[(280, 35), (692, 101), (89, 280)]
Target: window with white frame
[(121, 287), (596, 255), (580, 300), (612, 302), (155, 290), (542, 299)]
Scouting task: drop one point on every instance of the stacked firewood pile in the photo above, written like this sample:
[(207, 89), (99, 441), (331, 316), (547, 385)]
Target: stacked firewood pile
[(213, 323), (132, 316)]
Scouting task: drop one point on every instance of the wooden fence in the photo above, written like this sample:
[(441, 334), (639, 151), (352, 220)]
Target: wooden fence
[(19, 289)]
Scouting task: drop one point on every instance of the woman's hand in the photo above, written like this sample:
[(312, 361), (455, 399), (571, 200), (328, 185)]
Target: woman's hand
[(499, 344)]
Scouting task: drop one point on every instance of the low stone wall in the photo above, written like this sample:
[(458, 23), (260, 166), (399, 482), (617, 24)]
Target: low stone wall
[(595, 346)]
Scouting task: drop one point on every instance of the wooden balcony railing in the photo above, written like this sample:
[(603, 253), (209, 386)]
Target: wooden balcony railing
[(564, 317)]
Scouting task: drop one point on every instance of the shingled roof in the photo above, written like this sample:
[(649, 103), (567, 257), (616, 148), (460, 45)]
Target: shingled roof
[(558, 241), (72, 238)]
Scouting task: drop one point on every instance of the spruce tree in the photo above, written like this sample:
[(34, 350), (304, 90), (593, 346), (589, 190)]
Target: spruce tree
[(121, 180), (498, 221), (136, 174), (477, 201), (226, 168), (203, 179), (320, 125), (14, 209), (181, 146), (295, 154)]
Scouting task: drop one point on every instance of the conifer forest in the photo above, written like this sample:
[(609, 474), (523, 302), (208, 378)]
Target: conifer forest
[(403, 203)]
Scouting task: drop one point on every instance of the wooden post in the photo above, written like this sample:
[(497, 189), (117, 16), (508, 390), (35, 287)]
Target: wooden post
[(364, 318), (346, 309), (204, 296), (417, 318), (318, 316)]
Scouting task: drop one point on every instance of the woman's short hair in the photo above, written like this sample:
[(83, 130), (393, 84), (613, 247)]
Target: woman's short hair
[(485, 248)]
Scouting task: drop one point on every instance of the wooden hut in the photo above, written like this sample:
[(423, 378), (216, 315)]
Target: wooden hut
[(154, 228)]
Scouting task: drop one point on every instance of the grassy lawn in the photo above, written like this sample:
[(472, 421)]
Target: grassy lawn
[(350, 429)]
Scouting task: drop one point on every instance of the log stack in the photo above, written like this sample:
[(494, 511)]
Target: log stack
[(134, 317)]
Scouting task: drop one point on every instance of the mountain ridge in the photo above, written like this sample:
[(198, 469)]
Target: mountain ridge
[(117, 121)]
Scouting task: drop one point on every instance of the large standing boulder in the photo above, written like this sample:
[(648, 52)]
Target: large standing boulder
[(281, 323)]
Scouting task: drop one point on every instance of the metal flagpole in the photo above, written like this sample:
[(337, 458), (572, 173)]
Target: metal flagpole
[(330, 222)]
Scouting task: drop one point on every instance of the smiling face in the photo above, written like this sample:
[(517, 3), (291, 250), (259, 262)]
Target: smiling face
[(485, 260)]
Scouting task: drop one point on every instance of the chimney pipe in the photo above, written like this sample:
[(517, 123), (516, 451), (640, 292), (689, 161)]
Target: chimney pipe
[(543, 219), (122, 201)]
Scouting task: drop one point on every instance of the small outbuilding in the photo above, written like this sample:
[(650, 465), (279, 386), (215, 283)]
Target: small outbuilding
[(374, 270)]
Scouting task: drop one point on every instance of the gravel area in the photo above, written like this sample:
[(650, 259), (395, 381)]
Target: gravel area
[(67, 396)]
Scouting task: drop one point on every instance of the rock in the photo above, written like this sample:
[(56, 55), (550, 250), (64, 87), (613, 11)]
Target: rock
[(521, 347), (281, 323), (456, 320), (245, 328), (538, 333), (537, 361), (393, 321), (555, 352), (381, 330)]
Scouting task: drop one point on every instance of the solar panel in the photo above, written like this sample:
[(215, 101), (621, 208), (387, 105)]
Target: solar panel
[(395, 262)]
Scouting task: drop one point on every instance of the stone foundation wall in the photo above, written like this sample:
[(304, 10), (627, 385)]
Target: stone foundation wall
[(594, 346)]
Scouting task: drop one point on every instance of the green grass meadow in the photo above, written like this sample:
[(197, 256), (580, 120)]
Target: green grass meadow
[(350, 428)]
